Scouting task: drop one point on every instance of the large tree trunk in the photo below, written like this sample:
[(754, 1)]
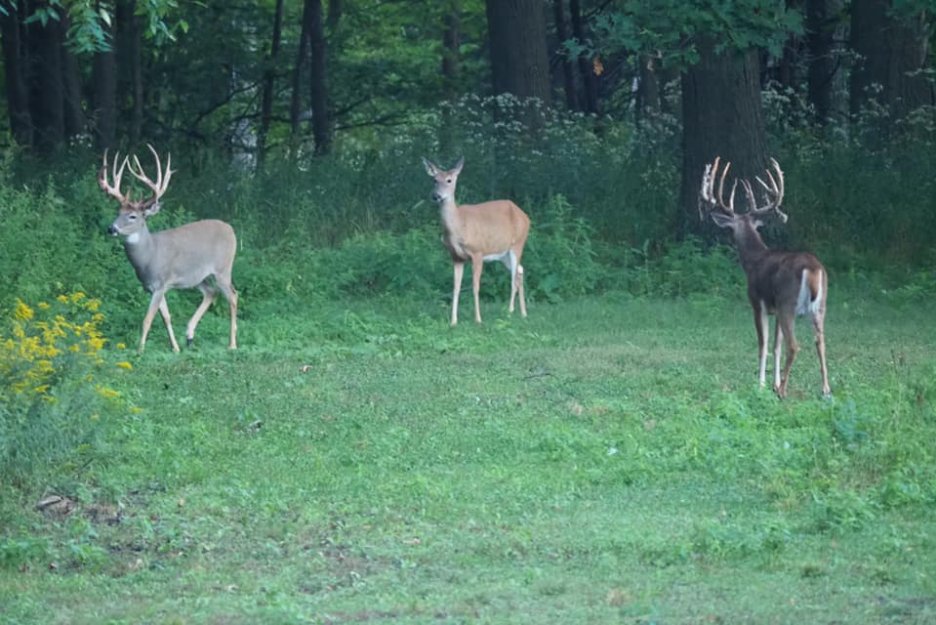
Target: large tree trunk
[(47, 94), (722, 116), (269, 83), (819, 41), (15, 63), (129, 60), (519, 60), (568, 73), (318, 83), (586, 66), (892, 49)]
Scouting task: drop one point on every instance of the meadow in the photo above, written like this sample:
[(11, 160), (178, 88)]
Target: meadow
[(608, 459)]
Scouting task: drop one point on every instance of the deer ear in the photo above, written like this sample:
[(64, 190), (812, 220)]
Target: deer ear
[(722, 220), (431, 169), (458, 166), (151, 210)]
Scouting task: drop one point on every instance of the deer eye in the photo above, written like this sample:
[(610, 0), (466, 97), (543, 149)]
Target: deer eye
[(449, 181), (132, 217)]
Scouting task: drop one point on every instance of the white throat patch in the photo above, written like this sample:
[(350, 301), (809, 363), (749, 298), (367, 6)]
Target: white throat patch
[(133, 238)]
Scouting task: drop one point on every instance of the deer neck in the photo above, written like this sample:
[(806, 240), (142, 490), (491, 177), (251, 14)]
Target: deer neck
[(751, 248), (140, 248), (449, 211)]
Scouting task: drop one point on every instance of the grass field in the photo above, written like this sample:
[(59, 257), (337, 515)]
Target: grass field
[(605, 460)]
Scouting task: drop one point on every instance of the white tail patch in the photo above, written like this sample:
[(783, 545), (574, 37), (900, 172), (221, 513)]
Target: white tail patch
[(805, 304)]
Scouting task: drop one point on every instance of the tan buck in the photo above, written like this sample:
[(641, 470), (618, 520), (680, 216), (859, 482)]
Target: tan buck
[(480, 232), (180, 258), (785, 284)]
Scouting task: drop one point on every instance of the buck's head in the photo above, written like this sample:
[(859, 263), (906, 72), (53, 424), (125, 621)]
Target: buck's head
[(445, 181), (132, 214), (723, 213)]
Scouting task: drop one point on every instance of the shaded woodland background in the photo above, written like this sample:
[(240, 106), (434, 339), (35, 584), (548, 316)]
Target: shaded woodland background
[(614, 104)]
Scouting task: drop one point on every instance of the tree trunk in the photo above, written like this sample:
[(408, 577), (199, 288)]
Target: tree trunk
[(302, 55), (648, 88), (135, 51), (568, 75), (586, 67), (15, 63), (334, 15), (892, 50), (47, 94), (74, 116), (318, 83), (519, 60), (269, 84), (819, 41), (451, 56), (104, 87), (722, 116)]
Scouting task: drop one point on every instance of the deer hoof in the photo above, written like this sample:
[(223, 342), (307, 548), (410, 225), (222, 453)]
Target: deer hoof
[(189, 340)]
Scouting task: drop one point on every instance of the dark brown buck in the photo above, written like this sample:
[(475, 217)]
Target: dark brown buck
[(179, 258), (480, 232), (785, 284)]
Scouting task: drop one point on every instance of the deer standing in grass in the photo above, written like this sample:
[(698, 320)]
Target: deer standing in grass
[(785, 284), (183, 257), (480, 232)]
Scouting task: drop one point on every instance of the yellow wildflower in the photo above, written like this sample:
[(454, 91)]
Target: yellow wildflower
[(121, 346), (22, 312), (62, 298), (44, 305), (123, 364)]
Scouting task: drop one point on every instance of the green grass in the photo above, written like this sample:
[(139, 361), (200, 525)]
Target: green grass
[(605, 460)]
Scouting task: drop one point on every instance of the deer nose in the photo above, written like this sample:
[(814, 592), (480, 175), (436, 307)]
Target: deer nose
[(112, 230), (436, 197)]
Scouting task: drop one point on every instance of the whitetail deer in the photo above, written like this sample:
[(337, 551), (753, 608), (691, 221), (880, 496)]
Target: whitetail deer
[(183, 257), (480, 232), (785, 284)]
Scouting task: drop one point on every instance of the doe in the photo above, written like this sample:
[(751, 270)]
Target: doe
[(480, 232), (183, 257)]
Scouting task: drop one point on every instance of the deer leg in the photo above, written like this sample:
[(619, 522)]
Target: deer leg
[(227, 289), (786, 321), (459, 272), (150, 315), (520, 288), (208, 296), (477, 267), (818, 321), (167, 319), (760, 323), (512, 265), (777, 344)]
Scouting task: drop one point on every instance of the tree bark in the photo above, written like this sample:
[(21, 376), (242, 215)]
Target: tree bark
[(451, 56), (334, 15), (648, 88), (74, 116), (586, 67), (302, 55), (568, 73), (47, 93), (318, 83), (893, 49), (722, 116), (519, 60), (269, 83), (104, 97), (15, 62), (819, 41)]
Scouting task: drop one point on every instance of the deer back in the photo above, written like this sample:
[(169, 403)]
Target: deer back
[(490, 228), (184, 257)]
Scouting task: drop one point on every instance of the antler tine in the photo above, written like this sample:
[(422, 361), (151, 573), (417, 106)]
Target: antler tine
[(159, 187), (721, 190), (112, 189), (749, 194), (159, 173), (165, 184)]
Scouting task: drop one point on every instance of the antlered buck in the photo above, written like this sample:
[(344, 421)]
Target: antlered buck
[(785, 284), (480, 232), (180, 258)]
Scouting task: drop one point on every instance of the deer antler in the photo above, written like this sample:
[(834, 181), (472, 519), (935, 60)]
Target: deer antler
[(113, 189), (707, 193), (159, 187), (773, 193)]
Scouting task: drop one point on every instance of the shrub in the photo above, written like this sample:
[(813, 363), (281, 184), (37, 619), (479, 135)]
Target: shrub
[(54, 407)]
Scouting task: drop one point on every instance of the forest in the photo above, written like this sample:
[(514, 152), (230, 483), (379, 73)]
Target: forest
[(621, 446)]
